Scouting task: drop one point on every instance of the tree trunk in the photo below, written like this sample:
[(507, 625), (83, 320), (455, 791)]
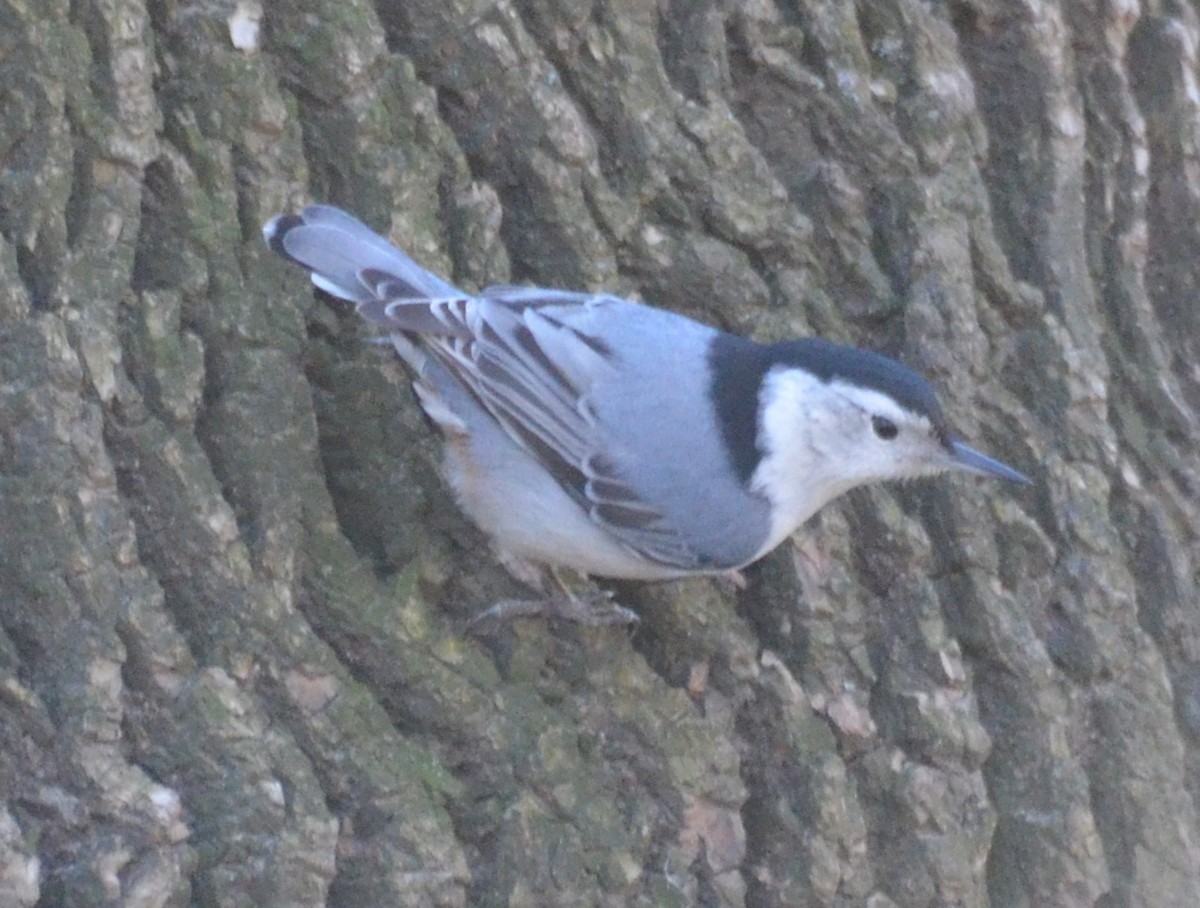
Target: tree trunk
[(234, 669)]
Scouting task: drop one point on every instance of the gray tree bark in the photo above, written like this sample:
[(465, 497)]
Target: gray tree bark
[(233, 666)]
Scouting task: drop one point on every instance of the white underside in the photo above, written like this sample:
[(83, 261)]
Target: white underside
[(529, 516)]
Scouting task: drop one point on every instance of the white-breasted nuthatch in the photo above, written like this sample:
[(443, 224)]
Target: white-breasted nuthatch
[(624, 441)]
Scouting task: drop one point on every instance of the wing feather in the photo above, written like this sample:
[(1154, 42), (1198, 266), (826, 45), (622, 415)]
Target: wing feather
[(531, 357), (534, 372)]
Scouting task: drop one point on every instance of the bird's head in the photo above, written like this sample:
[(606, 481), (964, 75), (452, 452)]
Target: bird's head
[(831, 418)]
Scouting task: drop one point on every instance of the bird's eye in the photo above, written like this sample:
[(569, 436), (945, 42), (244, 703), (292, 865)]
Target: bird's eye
[(884, 428)]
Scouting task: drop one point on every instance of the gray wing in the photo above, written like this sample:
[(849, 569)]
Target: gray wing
[(534, 359), (527, 358)]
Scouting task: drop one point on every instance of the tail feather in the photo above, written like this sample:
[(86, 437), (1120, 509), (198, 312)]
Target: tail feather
[(340, 251)]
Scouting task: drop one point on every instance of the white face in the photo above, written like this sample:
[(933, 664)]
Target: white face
[(872, 438), (823, 439)]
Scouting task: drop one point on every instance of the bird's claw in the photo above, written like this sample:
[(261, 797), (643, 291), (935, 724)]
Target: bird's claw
[(596, 609)]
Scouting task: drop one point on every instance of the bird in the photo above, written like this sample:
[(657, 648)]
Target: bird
[(589, 432)]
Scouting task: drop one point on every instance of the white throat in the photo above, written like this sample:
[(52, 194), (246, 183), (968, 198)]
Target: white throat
[(799, 428)]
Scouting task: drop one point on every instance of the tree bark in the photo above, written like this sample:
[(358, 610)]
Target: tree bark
[(234, 669)]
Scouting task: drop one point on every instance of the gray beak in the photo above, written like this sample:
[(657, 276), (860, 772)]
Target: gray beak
[(964, 457)]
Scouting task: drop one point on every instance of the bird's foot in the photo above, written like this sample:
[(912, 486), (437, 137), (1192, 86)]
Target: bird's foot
[(731, 581), (591, 609)]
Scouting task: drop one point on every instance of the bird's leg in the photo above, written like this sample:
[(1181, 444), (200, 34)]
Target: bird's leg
[(591, 609), (731, 581)]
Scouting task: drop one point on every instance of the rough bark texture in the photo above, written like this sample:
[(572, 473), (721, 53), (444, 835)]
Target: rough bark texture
[(233, 667)]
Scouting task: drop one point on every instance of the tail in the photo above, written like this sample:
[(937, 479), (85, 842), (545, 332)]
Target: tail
[(349, 260)]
